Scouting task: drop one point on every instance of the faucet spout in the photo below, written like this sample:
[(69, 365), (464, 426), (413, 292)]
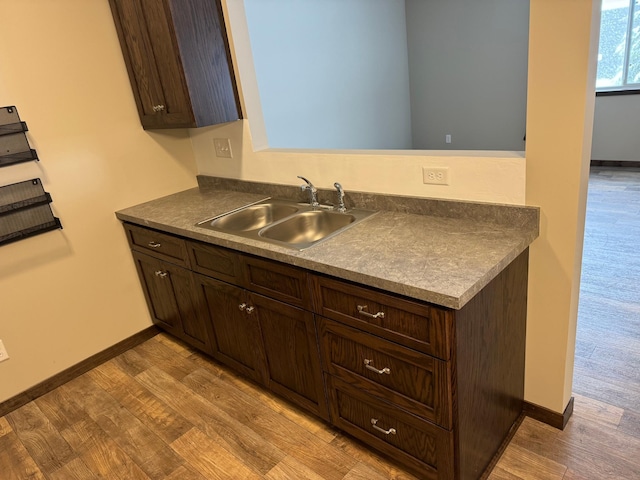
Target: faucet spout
[(341, 208), (313, 192)]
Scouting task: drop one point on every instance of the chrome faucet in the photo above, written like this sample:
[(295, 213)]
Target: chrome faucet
[(341, 208), (313, 192)]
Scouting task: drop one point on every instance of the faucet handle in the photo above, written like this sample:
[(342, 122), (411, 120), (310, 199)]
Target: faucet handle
[(341, 208), (313, 191)]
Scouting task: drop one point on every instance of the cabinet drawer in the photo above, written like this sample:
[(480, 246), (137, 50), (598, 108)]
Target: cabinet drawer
[(276, 280), (216, 262), (416, 382), (160, 245), (415, 325), (422, 446)]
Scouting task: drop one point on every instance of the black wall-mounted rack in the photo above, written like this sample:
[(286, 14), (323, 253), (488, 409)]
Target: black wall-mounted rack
[(25, 211), (14, 147)]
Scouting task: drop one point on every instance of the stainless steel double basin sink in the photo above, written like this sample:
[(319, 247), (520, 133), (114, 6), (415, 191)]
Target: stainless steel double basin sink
[(285, 223)]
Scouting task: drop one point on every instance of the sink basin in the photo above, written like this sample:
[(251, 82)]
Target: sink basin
[(254, 217), (285, 223), (307, 227)]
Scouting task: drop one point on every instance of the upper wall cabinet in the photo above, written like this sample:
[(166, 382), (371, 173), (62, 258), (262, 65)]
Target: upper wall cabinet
[(178, 59)]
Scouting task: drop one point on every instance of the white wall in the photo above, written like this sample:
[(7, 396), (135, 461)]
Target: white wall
[(468, 73), (615, 129), (339, 67), (68, 294)]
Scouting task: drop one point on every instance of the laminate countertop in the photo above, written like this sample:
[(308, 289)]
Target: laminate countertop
[(442, 252)]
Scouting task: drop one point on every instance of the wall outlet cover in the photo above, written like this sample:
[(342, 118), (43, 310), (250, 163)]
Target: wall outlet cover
[(435, 175), (222, 147)]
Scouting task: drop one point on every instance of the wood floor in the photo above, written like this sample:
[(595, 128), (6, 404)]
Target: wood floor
[(162, 411)]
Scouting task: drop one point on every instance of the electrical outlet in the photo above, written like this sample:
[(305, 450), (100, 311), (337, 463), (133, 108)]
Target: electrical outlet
[(223, 147), (435, 175), (3, 352), (447, 138)]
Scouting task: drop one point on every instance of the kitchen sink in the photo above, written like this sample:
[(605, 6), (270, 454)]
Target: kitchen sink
[(254, 217), (307, 227), (286, 223)]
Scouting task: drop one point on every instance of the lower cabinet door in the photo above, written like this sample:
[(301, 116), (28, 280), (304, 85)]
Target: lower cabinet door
[(422, 446), (236, 334), (293, 360), (169, 293)]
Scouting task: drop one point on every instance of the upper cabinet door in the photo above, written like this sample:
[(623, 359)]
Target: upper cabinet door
[(178, 60)]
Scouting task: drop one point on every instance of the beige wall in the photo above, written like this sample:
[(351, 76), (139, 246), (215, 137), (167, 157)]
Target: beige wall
[(496, 177), (562, 62), (67, 294)]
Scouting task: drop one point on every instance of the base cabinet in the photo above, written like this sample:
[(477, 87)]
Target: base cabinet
[(169, 293), (250, 314), (435, 389), (269, 341), (291, 353), (236, 333)]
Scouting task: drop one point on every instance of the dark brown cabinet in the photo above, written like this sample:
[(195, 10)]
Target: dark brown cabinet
[(168, 287), (261, 320), (178, 61), (438, 390), (291, 351), (236, 334), (169, 293)]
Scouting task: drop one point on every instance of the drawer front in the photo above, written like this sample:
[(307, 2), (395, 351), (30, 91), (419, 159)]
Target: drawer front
[(216, 262), (160, 245), (415, 325), (276, 280), (421, 446), (411, 380)]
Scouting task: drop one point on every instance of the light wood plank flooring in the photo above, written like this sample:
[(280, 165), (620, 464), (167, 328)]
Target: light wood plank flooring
[(162, 411)]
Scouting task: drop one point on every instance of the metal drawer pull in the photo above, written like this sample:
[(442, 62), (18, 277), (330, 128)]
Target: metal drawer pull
[(242, 306), (362, 310), (368, 364), (161, 274), (153, 244), (391, 431), (158, 108), (250, 310)]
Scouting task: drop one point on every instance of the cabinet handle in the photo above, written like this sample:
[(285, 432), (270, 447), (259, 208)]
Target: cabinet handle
[(362, 310), (153, 244), (158, 108), (161, 274), (391, 431), (242, 306), (369, 365), (250, 310)]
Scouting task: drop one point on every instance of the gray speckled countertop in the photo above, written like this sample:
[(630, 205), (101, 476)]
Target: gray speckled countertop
[(443, 255)]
